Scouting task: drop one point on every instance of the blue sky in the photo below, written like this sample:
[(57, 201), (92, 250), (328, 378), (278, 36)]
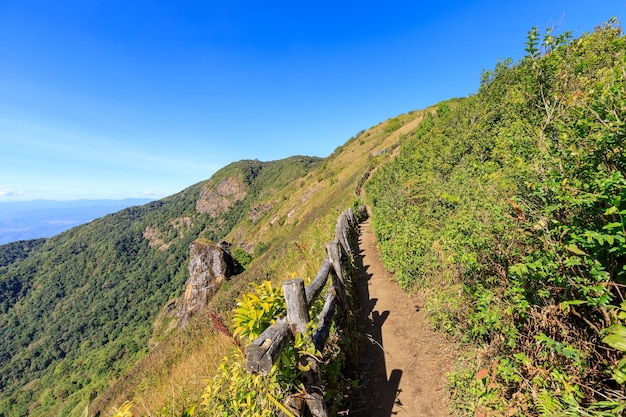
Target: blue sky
[(117, 99)]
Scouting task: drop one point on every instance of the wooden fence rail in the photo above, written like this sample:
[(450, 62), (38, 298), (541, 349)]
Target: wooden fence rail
[(265, 349)]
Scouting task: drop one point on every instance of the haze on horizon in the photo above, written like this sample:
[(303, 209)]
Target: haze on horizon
[(25, 220), (110, 100)]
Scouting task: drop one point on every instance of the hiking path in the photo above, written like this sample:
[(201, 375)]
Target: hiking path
[(404, 361)]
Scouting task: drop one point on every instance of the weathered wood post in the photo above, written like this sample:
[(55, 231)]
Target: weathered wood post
[(297, 309), (325, 320), (297, 319), (263, 352), (334, 255)]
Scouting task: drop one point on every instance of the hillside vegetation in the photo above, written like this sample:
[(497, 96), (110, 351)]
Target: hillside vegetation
[(509, 208)]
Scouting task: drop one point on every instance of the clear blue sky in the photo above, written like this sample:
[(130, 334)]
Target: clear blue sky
[(116, 99)]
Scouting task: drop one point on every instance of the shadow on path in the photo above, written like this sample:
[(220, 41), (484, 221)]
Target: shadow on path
[(377, 394)]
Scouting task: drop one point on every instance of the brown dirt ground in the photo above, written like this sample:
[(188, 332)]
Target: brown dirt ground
[(404, 361)]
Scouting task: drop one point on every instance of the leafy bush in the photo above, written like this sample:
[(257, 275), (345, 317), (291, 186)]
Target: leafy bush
[(257, 311), (241, 257), (392, 125), (236, 392)]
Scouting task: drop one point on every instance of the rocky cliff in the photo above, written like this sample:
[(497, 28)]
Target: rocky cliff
[(210, 264)]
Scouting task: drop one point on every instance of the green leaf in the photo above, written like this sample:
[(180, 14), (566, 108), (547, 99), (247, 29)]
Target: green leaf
[(617, 329), (518, 269), (613, 225), (575, 249), (617, 201), (619, 376), (572, 261), (616, 342), (189, 412), (571, 353), (573, 303)]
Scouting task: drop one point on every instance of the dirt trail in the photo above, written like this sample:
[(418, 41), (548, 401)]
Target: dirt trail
[(404, 361)]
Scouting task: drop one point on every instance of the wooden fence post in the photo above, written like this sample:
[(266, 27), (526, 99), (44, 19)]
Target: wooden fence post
[(263, 352), (332, 249), (314, 289), (297, 309), (297, 319), (325, 319)]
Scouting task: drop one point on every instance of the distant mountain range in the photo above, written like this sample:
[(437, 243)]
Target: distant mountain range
[(23, 220)]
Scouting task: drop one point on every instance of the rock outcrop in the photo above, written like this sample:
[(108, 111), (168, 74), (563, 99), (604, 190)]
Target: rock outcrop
[(210, 264), (216, 201)]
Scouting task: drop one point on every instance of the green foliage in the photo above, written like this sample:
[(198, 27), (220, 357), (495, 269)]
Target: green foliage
[(392, 125), (79, 309), (616, 338), (514, 200), (236, 392), (259, 249), (14, 287), (241, 257), (258, 310), (16, 251)]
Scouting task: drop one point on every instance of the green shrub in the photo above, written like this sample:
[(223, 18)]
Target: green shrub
[(242, 257)]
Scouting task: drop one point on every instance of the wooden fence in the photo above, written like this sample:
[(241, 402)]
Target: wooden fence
[(265, 349)]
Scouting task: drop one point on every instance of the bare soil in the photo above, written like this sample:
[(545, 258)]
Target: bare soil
[(404, 361)]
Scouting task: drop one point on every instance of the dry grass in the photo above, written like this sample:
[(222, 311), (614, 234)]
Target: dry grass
[(172, 376), (172, 389)]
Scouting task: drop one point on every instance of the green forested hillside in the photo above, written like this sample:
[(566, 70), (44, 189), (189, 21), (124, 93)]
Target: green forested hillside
[(16, 251), (509, 208), (78, 309)]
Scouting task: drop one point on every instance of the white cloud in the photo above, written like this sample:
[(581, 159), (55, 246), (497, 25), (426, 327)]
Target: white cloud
[(7, 192)]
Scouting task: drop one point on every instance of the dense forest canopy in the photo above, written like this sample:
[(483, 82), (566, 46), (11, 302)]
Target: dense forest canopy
[(510, 207)]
